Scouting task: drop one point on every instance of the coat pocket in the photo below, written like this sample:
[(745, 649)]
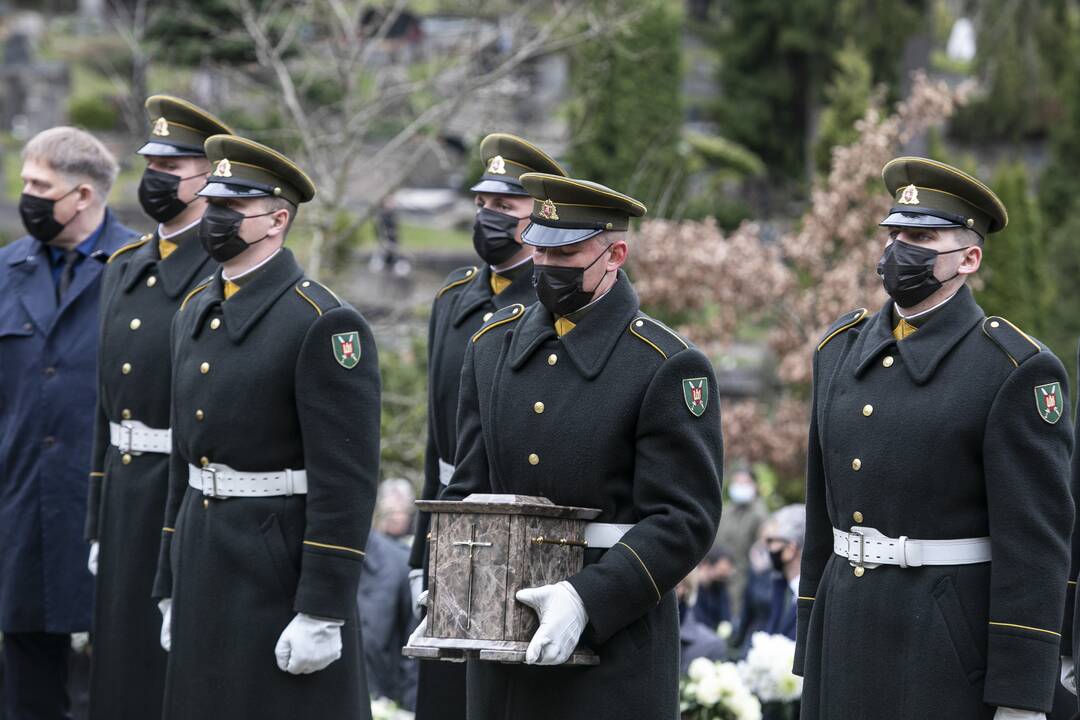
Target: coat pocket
[(274, 541), (963, 641)]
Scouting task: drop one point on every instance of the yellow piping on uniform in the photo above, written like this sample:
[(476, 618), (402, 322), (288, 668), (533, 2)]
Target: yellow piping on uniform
[(803, 597), (97, 474), (518, 308), (130, 246), (470, 274), (648, 342), (310, 301), (659, 597), (193, 293), (168, 529), (858, 319), (1025, 627), (1026, 336), (1070, 582), (334, 547)]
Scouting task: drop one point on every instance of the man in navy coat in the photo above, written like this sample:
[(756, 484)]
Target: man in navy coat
[(49, 286)]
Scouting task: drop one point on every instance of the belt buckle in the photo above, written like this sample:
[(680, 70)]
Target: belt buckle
[(126, 435), (212, 473), (857, 533)]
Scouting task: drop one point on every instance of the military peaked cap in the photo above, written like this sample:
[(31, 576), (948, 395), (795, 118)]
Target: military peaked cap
[(567, 211), (508, 157), (178, 128), (931, 194), (244, 168)]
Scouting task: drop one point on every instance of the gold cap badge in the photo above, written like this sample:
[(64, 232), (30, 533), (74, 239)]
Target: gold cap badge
[(497, 166), (909, 196), (548, 211), (223, 169), (161, 127)]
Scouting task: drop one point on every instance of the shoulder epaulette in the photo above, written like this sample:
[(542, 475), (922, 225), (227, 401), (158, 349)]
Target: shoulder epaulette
[(203, 284), (131, 246), (461, 276), (656, 335), (317, 295), (844, 323), (1017, 345), (508, 314)]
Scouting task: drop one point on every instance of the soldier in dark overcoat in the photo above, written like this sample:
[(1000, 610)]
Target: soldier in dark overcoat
[(275, 453), (938, 504), (468, 298), (585, 400), (142, 288)]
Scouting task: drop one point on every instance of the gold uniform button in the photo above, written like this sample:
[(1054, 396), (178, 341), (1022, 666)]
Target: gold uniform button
[(126, 368), (199, 414), (206, 504), (306, 283), (215, 323), (538, 408), (552, 359), (125, 458), (151, 281), (868, 410), (856, 464), (487, 316), (859, 571), (995, 324), (204, 461), (888, 361), (125, 414), (534, 459), (135, 324), (857, 516), (469, 272), (204, 368), (639, 323)]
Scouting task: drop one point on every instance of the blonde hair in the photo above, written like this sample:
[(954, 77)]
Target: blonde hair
[(75, 154)]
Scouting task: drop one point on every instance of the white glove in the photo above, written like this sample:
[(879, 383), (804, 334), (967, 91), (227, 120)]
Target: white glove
[(1068, 673), (91, 562), (562, 620), (308, 644), (165, 606), (1004, 713), (416, 586)]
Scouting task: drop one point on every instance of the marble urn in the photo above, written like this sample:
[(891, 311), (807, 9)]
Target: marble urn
[(482, 550)]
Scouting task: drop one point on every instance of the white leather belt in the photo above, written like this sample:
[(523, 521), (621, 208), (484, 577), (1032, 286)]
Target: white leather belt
[(867, 547), (131, 436), (221, 481), (605, 535), (446, 471)]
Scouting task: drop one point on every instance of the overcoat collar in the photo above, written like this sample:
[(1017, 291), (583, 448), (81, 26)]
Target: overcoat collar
[(178, 270), (244, 309), (923, 351), (478, 292), (590, 344)]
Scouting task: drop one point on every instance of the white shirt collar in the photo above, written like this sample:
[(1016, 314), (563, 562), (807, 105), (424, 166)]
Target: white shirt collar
[(251, 269), (924, 312), (517, 264), (163, 236)]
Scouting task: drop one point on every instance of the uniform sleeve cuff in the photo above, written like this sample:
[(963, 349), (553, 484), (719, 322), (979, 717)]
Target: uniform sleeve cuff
[(1022, 668)]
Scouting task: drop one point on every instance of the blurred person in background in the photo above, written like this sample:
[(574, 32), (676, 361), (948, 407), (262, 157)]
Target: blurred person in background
[(784, 537), (756, 597), (714, 574), (386, 619), (696, 639), (743, 516), (50, 282), (394, 509)]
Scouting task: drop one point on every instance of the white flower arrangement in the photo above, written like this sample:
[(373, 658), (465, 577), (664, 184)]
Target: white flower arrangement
[(767, 669), (715, 691), (384, 709)]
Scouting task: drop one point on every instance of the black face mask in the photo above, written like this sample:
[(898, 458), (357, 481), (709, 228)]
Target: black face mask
[(159, 194), (907, 272), (776, 557), (562, 289), (219, 232), (38, 218), (493, 236)]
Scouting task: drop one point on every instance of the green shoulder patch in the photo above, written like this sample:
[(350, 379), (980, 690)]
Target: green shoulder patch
[(461, 276), (844, 323), (1048, 402), (347, 349), (656, 335), (508, 314), (696, 395), (1017, 345)]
